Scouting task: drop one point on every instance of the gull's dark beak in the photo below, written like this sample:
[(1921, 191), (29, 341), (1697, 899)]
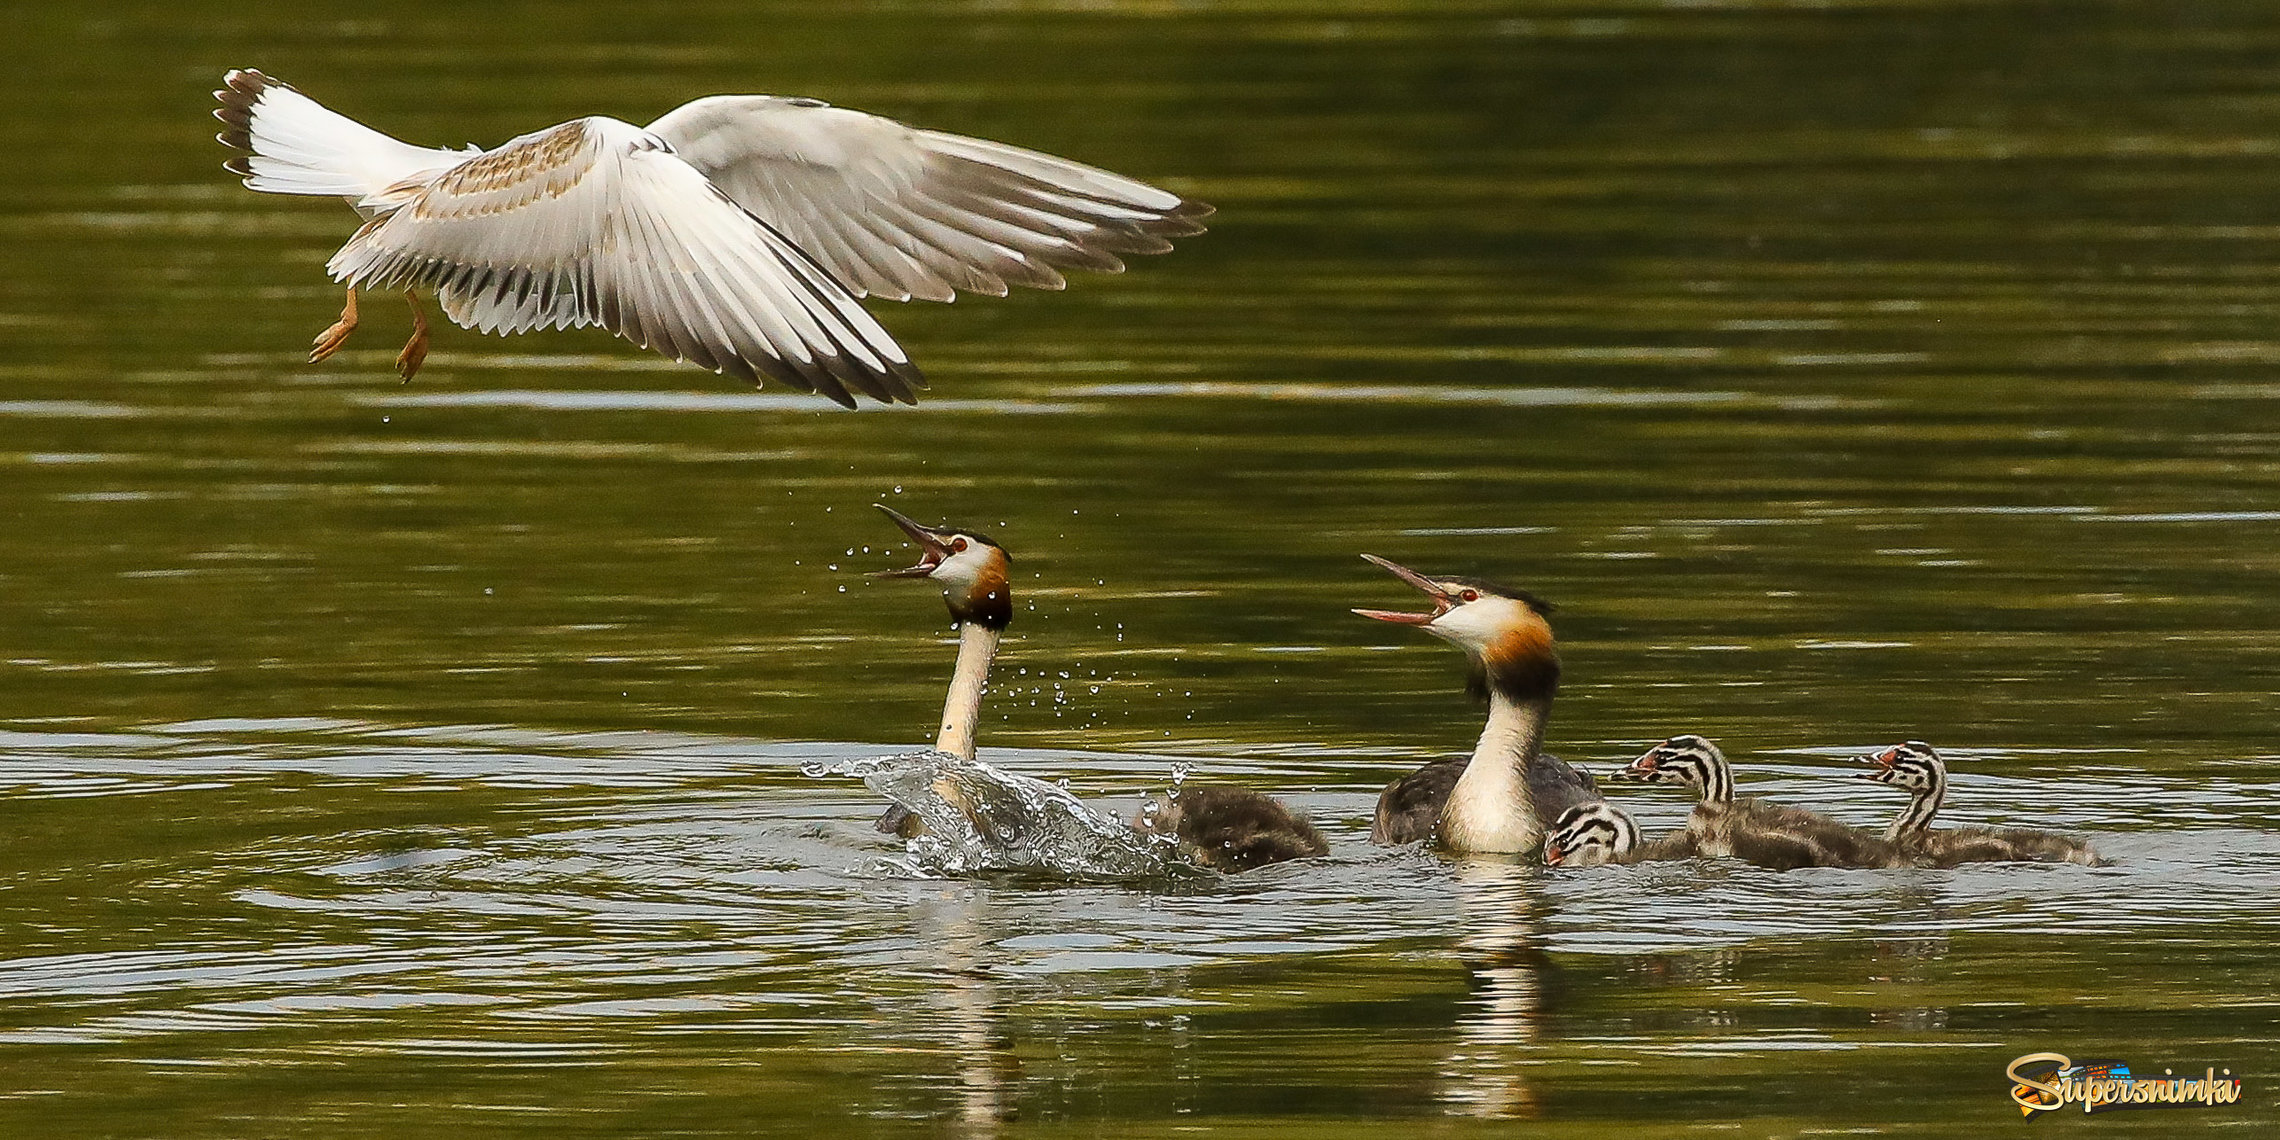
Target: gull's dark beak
[(931, 548), (1442, 602)]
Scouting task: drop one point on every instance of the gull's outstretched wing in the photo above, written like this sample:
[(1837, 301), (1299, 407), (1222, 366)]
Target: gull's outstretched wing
[(598, 222), (898, 212)]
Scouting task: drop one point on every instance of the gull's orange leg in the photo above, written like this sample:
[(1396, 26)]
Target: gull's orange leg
[(415, 350), (330, 340)]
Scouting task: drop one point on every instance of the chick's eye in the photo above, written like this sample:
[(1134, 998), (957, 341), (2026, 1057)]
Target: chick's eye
[(957, 546)]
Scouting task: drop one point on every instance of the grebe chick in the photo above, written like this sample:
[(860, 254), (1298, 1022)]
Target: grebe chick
[(1915, 767), (1751, 829), (1498, 800), (975, 574), (1589, 835), (1231, 829)]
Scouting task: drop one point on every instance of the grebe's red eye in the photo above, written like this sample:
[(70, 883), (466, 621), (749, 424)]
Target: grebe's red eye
[(1470, 595), (957, 546)]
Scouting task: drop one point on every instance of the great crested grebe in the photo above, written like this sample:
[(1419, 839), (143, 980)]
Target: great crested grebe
[(975, 573), (1224, 828), (736, 232), (1753, 830), (1588, 835), (1498, 800), (1916, 767)]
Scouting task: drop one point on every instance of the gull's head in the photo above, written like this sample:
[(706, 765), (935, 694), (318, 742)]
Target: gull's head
[(973, 570), (1505, 632), (1912, 765)]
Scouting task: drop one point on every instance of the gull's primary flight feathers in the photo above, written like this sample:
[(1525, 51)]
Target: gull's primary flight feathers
[(737, 232)]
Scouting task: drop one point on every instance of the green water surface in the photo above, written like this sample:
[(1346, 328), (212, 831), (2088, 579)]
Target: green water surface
[(387, 760)]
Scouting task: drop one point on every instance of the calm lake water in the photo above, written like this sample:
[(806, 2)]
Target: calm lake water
[(383, 760)]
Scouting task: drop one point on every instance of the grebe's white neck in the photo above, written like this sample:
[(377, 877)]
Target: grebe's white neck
[(1491, 810), (962, 710)]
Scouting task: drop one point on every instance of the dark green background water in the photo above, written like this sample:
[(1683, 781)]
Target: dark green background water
[(387, 760)]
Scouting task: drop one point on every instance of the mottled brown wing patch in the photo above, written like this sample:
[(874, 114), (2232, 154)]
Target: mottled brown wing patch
[(546, 165)]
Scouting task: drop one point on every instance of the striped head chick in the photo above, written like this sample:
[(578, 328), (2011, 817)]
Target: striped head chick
[(1689, 759), (1916, 769), (1506, 633), (1588, 835), (974, 571)]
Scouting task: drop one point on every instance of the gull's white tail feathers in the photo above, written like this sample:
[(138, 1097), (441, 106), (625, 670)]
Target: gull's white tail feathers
[(287, 143)]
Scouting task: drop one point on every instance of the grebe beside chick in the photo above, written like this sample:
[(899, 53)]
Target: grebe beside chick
[(1498, 800), (1750, 829), (1589, 835), (1220, 827), (1915, 767)]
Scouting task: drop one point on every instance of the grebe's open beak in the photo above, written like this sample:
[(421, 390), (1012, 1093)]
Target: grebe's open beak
[(1442, 602), (1883, 761), (1641, 769), (1552, 853), (931, 548)]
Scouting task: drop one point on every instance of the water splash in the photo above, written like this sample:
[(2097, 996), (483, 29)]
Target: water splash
[(980, 819)]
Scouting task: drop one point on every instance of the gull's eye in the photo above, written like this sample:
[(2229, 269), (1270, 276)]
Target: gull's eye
[(1470, 595), (957, 546)]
